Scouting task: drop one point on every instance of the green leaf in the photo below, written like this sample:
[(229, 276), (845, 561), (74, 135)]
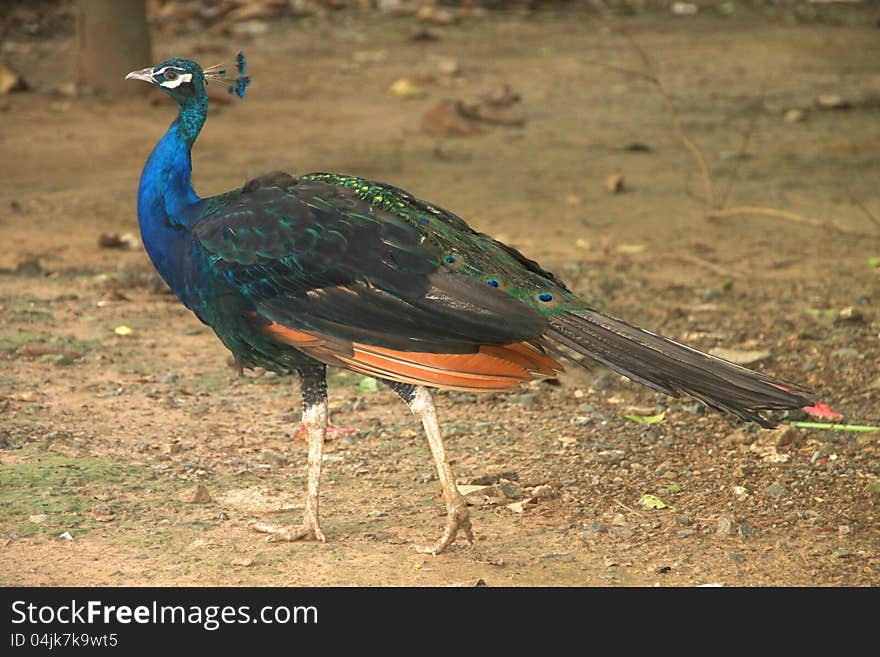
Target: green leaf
[(673, 488), (874, 261), (368, 384), (652, 502), (646, 419)]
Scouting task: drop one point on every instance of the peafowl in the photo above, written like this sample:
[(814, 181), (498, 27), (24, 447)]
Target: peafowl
[(295, 273)]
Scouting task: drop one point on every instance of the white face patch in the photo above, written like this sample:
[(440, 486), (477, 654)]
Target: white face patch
[(176, 82)]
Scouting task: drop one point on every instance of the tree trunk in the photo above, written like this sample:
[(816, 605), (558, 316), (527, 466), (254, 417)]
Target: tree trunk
[(113, 39)]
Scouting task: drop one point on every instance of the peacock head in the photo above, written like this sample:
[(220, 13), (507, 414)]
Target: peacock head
[(184, 79)]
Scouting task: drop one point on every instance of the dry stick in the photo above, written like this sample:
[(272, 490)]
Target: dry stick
[(870, 215), (696, 153), (711, 197), (786, 216), (743, 147)]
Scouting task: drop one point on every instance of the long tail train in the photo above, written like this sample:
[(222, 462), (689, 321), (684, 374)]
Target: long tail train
[(673, 368)]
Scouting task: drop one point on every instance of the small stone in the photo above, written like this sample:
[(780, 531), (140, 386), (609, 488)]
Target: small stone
[(740, 437), (436, 15), (555, 555), (844, 530), (242, 562), (795, 116), (543, 492), (747, 531), (788, 437), (67, 536), (273, 457), (38, 518), (511, 491), (845, 352), (684, 521), (736, 557), (614, 183), (832, 102), (198, 494), (594, 528), (843, 554), (726, 525), (526, 400), (776, 491), (849, 314), (609, 456), (684, 9), (685, 533)]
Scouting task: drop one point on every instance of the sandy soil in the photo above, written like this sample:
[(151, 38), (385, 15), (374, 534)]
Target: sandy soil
[(104, 436)]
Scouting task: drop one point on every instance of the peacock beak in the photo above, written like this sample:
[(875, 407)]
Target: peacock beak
[(145, 74)]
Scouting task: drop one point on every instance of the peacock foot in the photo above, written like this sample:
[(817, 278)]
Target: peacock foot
[(309, 530), (457, 519)]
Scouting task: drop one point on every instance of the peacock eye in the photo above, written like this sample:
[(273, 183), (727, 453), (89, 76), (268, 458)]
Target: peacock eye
[(170, 74)]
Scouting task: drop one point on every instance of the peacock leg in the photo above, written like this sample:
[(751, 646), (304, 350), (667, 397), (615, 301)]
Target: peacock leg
[(314, 417), (457, 517)]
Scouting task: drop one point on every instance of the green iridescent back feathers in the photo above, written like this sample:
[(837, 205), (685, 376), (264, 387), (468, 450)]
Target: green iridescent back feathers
[(366, 262)]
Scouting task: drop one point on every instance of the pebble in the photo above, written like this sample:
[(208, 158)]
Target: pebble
[(682, 520), (844, 530), (526, 400), (843, 554), (685, 533), (736, 557), (555, 555), (776, 490), (849, 314), (845, 352), (795, 116), (273, 457), (726, 525), (198, 494), (594, 528), (609, 456), (747, 531)]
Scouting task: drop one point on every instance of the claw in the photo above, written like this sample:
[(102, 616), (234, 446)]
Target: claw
[(309, 530)]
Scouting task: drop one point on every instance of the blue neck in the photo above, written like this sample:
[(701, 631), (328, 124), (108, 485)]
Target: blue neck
[(166, 192)]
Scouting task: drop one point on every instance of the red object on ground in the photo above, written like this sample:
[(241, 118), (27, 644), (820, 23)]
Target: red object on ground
[(823, 411)]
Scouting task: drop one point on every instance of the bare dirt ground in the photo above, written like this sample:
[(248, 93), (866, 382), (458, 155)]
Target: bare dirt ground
[(104, 436)]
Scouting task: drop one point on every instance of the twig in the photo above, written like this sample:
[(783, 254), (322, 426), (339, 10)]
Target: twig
[(628, 508), (696, 153), (711, 266), (787, 216), (743, 147), (870, 215)]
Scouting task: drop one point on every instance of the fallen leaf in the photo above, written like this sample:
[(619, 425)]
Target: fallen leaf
[(368, 384), (631, 249), (652, 502), (406, 88), (519, 507), (646, 419), (123, 330)]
